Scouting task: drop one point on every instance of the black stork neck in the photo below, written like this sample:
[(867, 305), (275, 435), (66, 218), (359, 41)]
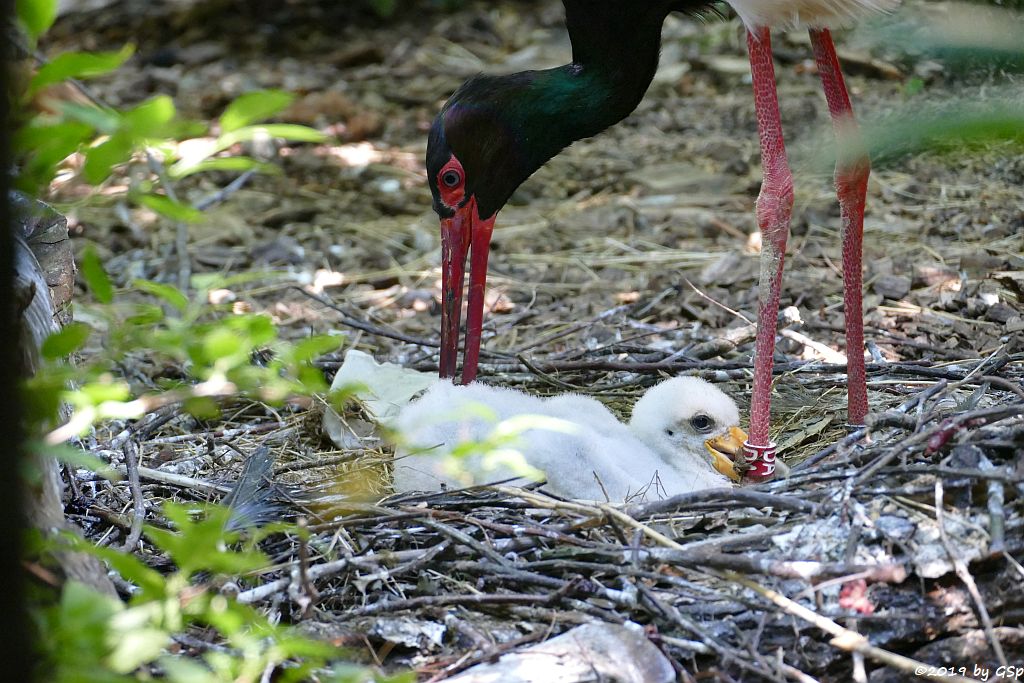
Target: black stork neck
[(503, 128)]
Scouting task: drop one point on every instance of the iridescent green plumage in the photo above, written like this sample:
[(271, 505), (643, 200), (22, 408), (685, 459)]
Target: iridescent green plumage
[(503, 128)]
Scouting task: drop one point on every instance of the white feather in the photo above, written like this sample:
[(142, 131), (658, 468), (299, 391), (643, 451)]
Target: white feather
[(588, 455), (812, 13)]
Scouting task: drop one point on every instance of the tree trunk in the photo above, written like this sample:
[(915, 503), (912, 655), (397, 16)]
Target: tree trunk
[(44, 282)]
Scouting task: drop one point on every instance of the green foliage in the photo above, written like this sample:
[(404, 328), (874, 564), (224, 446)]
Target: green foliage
[(78, 65), (95, 277), (215, 348), (36, 16), (89, 637), (253, 107), (150, 133)]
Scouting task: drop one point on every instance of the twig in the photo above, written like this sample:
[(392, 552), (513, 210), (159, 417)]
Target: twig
[(376, 331), (975, 417), (180, 227), (326, 569), (553, 381), (225, 192), (844, 638), (178, 480), (570, 329), (387, 606), (745, 497), (131, 461), (964, 574)]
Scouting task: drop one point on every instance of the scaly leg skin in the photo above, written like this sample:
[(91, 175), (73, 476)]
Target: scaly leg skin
[(852, 170), (774, 208), (480, 245)]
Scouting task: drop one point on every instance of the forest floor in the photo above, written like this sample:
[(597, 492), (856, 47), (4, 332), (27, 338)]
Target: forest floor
[(627, 248)]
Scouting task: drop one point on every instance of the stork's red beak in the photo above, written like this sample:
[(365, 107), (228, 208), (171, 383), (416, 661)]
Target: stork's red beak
[(463, 232)]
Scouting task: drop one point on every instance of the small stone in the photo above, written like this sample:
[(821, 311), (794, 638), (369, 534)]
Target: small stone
[(891, 286), (1000, 313)]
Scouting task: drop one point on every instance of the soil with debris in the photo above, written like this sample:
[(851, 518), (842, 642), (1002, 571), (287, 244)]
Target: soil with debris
[(630, 255)]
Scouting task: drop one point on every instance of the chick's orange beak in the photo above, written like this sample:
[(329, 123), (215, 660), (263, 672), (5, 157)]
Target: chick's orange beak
[(724, 449)]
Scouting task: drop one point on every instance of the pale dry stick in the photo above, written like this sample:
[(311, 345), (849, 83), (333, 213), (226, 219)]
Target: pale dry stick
[(827, 354), (81, 419), (218, 433), (178, 480), (319, 571), (964, 575), (689, 645), (996, 512)]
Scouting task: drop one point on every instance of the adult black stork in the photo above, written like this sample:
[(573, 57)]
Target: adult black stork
[(495, 131)]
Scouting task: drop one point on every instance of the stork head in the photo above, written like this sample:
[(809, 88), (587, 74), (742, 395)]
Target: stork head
[(486, 141), (687, 415)]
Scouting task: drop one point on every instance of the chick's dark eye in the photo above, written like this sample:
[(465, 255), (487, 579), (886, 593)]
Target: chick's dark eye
[(669, 432), (451, 178), (702, 423)]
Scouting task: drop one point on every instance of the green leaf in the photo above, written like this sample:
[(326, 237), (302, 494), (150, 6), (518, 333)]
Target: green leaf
[(167, 207), (224, 343), (76, 458), (78, 65), (151, 118), (203, 544), (36, 16), (135, 640), (252, 107), (201, 407), (152, 583), (146, 315), (287, 131), (104, 391), (185, 670), (171, 295), (99, 160), (64, 342), (101, 119), (95, 276), (314, 347), (239, 163), (384, 8), (46, 146)]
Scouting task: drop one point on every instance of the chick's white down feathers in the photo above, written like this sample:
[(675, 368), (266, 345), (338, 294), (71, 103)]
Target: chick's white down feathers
[(659, 454)]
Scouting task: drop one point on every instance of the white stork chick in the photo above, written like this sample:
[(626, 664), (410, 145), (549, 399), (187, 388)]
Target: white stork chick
[(680, 438)]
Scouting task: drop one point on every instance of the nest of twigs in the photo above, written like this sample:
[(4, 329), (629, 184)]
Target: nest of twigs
[(894, 546)]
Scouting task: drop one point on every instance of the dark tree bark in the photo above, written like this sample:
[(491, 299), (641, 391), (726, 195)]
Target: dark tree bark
[(43, 285), (15, 645)]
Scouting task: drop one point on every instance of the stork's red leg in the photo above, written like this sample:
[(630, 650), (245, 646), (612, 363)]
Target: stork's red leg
[(852, 169), (480, 246), (774, 207), (455, 236)]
